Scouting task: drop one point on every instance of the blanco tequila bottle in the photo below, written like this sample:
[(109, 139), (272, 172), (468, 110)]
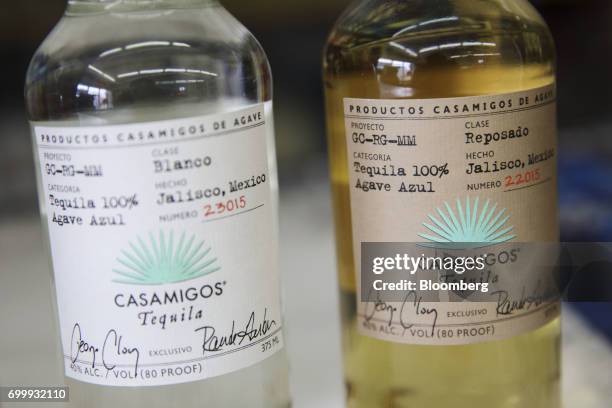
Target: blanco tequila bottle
[(153, 137)]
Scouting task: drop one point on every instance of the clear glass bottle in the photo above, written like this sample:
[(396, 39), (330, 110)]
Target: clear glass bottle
[(110, 66), (415, 51)]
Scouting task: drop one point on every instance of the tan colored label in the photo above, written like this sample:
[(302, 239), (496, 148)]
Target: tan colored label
[(411, 160)]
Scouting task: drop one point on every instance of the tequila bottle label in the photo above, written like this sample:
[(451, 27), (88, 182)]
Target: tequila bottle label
[(477, 171), (163, 239)]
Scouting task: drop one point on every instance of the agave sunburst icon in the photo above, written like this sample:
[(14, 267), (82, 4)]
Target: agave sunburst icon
[(469, 225), (162, 260)]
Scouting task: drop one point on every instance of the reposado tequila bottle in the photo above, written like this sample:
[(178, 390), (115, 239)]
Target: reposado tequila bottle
[(441, 126)]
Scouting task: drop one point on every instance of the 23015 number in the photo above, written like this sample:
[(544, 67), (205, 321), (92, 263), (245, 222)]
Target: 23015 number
[(223, 207)]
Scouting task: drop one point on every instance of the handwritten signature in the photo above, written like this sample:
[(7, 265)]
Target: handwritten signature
[(112, 348), (507, 305), (410, 307), (251, 331)]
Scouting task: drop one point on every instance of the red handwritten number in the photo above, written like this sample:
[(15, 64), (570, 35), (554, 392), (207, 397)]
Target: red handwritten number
[(523, 178), (222, 207), (208, 211)]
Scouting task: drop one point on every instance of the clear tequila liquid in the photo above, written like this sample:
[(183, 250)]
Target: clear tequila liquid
[(122, 62)]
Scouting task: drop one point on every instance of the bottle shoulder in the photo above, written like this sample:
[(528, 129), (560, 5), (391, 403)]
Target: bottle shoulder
[(429, 26), (105, 61)]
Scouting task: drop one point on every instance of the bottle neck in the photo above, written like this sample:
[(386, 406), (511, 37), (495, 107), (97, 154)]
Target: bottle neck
[(140, 2), (88, 6)]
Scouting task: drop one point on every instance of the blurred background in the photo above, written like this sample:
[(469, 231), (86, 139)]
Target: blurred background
[(293, 33)]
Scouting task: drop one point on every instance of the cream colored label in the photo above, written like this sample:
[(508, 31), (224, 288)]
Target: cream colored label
[(489, 162)]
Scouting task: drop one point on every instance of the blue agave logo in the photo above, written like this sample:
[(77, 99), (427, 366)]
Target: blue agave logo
[(163, 260), (468, 225)]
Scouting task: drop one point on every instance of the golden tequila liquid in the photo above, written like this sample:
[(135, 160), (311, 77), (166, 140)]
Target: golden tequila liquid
[(423, 50)]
